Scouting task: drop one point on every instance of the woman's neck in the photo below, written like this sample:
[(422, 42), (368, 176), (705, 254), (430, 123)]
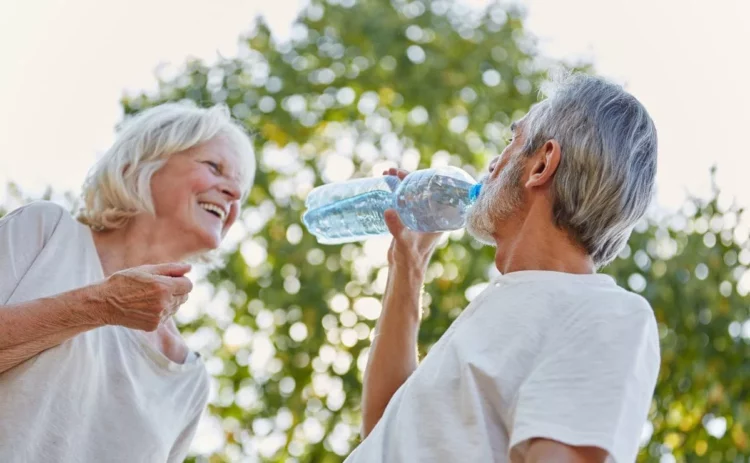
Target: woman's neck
[(133, 246)]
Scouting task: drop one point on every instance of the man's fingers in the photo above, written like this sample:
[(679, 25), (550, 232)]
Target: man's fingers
[(393, 221), (400, 173)]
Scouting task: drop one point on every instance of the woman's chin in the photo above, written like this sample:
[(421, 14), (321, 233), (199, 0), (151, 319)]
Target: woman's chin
[(212, 243), (207, 240)]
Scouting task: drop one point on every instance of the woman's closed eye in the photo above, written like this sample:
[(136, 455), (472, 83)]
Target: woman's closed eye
[(214, 167)]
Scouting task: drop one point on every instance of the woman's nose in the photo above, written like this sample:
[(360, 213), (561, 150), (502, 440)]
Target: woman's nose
[(232, 190)]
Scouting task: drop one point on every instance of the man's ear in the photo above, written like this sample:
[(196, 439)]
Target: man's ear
[(544, 164)]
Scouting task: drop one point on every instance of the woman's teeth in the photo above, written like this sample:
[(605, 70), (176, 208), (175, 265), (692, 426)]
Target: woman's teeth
[(214, 209)]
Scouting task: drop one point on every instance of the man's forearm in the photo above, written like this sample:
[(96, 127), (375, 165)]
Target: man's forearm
[(543, 450), (28, 328), (393, 353)]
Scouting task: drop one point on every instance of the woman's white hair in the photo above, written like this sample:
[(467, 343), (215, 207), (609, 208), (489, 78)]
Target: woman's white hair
[(118, 187)]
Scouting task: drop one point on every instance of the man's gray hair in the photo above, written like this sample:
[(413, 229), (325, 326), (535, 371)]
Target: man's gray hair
[(605, 180)]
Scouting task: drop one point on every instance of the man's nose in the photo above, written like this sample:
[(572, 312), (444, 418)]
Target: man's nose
[(494, 163)]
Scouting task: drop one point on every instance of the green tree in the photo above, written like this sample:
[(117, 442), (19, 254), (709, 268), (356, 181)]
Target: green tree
[(360, 83), (364, 83), (692, 266), (367, 82)]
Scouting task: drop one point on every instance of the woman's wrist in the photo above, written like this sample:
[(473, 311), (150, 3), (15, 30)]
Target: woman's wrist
[(87, 307)]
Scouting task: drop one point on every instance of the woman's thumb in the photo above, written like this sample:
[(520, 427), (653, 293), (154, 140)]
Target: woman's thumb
[(176, 269)]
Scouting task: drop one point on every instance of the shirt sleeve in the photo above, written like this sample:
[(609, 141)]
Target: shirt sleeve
[(23, 234), (593, 383)]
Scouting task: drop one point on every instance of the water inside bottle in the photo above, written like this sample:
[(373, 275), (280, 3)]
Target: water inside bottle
[(360, 215), (333, 192)]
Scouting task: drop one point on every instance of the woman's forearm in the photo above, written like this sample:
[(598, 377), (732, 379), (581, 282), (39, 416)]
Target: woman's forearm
[(393, 353), (28, 328)]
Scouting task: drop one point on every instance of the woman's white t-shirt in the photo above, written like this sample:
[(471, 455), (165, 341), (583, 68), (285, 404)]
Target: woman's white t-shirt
[(106, 395)]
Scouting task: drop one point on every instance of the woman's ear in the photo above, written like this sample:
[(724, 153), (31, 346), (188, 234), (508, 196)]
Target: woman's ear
[(544, 165)]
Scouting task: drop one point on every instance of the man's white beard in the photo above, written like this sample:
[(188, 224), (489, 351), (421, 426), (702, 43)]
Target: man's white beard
[(497, 201)]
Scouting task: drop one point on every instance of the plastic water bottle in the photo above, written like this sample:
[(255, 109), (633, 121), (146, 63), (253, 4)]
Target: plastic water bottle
[(430, 200)]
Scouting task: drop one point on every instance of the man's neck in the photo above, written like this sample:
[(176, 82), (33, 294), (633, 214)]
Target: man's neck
[(535, 243)]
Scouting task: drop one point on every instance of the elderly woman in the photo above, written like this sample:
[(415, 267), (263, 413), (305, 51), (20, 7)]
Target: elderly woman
[(92, 366)]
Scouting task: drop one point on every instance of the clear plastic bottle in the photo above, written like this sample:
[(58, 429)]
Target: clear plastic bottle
[(429, 200)]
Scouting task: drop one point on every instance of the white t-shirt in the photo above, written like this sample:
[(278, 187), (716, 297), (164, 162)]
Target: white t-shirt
[(106, 395), (573, 358)]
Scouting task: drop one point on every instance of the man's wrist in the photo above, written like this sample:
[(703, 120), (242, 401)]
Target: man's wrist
[(404, 295), (409, 272)]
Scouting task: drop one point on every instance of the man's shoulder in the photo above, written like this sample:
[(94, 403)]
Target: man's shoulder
[(613, 313), (615, 300), (565, 294)]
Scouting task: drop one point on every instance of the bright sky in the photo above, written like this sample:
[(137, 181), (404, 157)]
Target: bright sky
[(66, 62)]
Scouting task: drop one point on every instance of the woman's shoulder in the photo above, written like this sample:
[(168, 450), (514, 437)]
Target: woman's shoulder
[(35, 224), (35, 213), (24, 234)]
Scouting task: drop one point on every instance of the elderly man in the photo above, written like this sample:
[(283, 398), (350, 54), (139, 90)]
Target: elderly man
[(552, 362)]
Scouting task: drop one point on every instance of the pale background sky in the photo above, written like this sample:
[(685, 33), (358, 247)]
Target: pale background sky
[(65, 64)]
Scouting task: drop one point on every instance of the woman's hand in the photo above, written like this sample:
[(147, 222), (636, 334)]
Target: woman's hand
[(143, 297)]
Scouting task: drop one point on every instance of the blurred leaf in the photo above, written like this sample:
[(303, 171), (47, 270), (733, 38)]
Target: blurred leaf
[(360, 84)]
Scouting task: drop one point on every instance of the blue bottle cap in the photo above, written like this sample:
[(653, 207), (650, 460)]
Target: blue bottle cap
[(474, 192)]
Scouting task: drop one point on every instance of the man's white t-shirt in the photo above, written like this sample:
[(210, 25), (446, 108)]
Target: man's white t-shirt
[(106, 395), (573, 358)]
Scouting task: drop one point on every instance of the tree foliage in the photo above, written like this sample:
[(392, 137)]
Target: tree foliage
[(366, 84), (359, 86), (692, 266)]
